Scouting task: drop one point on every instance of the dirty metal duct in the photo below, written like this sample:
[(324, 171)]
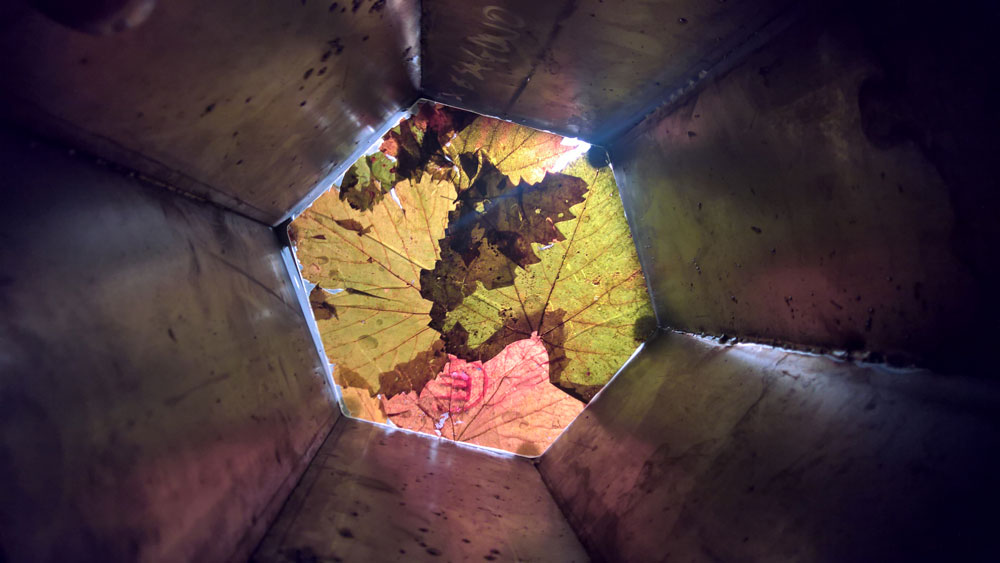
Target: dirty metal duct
[(811, 194)]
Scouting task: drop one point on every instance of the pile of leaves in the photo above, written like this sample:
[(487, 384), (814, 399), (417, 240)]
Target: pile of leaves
[(465, 290)]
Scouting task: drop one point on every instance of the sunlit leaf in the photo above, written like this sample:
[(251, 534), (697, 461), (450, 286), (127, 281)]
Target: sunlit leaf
[(519, 152), (367, 181), (492, 227), (506, 402), (586, 298), (362, 405), (367, 266), (417, 143), (408, 151), (534, 287)]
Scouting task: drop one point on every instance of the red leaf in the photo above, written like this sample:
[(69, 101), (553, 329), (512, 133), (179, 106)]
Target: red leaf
[(506, 403)]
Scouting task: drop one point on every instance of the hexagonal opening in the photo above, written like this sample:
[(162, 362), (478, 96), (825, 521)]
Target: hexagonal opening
[(473, 279)]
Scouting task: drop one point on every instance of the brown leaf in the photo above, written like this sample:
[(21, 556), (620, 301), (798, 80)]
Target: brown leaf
[(417, 143), (322, 308), (413, 375), (492, 230), (351, 225), (346, 377)]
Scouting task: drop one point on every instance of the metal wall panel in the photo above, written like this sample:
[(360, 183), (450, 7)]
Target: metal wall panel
[(160, 392), (377, 494), (703, 452), (583, 68), (836, 190), (247, 104)]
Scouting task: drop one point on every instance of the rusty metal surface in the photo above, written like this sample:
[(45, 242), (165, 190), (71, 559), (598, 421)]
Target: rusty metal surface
[(583, 68), (377, 494), (159, 390), (822, 194), (698, 451), (247, 105)]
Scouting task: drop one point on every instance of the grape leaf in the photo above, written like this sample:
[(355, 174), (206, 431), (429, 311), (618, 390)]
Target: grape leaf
[(409, 150), (367, 265), (519, 152), (367, 181), (492, 226), (586, 298), (417, 143), (506, 402), (513, 216), (360, 404)]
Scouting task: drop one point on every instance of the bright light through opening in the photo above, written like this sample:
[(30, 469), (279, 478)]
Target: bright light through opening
[(579, 148)]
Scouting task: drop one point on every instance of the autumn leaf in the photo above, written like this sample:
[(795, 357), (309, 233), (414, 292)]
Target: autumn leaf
[(533, 264), (407, 152), (367, 181), (506, 402), (513, 216), (360, 404), (586, 298), (417, 143), (493, 226), (372, 319), (519, 152)]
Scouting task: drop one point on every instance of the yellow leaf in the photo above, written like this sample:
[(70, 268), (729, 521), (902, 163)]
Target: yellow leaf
[(368, 264), (517, 151), (362, 405)]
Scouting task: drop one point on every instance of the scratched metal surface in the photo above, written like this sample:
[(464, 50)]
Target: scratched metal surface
[(246, 104), (374, 494), (704, 452), (822, 193), (584, 68), (159, 390)]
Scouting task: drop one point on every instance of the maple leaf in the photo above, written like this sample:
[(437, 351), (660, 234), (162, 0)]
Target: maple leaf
[(367, 304), (519, 152), (586, 297), (506, 402)]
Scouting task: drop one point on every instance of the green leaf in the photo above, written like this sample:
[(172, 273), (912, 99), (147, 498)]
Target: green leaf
[(367, 181), (372, 319), (408, 151), (585, 297)]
